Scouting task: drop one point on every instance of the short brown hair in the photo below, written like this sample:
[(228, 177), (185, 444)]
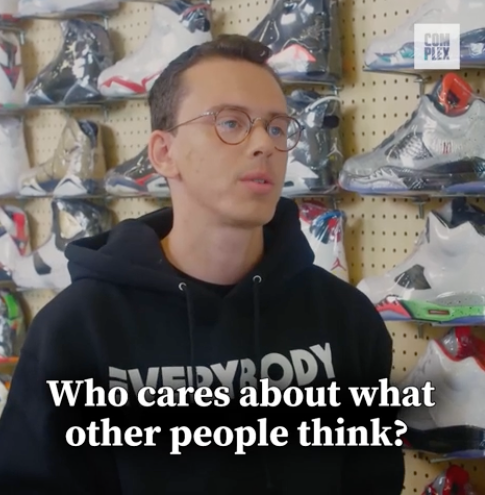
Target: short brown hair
[(168, 90)]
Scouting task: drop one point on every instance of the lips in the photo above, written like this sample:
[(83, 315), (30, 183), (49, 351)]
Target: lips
[(258, 177)]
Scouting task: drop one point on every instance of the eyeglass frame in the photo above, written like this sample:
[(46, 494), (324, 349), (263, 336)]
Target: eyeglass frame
[(215, 113)]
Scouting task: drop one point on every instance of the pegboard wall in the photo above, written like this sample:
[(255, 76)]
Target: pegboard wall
[(380, 232)]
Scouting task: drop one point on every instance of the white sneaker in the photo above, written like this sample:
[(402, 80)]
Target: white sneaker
[(324, 230), (396, 50), (15, 160), (12, 79), (443, 280), (46, 267), (28, 8), (455, 366), (435, 152), (175, 28)]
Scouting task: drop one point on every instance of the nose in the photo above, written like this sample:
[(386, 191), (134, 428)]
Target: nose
[(260, 142)]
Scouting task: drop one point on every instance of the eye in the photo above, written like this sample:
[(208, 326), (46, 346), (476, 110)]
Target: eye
[(276, 131)]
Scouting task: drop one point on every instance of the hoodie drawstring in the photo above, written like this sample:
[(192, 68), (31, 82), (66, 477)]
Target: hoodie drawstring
[(190, 315), (257, 349)]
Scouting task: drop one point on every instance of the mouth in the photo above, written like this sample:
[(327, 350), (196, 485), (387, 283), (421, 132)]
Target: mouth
[(257, 177)]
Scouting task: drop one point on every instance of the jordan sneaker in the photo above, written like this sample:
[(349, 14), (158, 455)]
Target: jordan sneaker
[(14, 240), (395, 51), (72, 77), (46, 267), (314, 164), (304, 37), (76, 168), (177, 25), (32, 8), (455, 366), (14, 155), (439, 150), (12, 327), (12, 79), (136, 177), (443, 280), (452, 481), (324, 230)]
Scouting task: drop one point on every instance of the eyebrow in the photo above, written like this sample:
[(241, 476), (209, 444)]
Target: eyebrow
[(244, 109)]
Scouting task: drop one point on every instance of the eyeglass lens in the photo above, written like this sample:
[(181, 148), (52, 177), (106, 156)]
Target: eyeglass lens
[(233, 126)]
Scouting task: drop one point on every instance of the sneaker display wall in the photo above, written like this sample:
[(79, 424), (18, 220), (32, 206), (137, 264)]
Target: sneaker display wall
[(76, 168), (72, 76), (314, 165), (177, 25), (396, 50), (12, 79), (46, 267), (455, 365), (443, 280), (13, 150), (136, 177), (29, 8), (439, 150), (324, 230), (304, 36)]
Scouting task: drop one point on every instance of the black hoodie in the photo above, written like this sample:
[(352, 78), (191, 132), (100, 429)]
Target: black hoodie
[(129, 319)]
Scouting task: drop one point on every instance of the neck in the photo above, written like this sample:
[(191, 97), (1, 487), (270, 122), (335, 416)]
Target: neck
[(213, 253)]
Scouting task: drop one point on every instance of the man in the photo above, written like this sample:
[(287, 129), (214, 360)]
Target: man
[(218, 291)]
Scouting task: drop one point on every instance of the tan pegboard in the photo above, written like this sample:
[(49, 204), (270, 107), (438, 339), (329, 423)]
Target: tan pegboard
[(380, 231)]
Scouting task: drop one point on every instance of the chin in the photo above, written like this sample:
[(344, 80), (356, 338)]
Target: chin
[(252, 216)]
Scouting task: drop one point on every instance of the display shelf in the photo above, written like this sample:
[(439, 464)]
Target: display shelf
[(380, 231)]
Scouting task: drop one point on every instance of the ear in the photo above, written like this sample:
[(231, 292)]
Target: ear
[(159, 153)]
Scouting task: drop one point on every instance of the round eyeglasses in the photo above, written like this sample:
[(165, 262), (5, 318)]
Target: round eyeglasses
[(233, 125)]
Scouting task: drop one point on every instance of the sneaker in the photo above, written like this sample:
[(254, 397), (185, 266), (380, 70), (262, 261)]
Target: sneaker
[(12, 327), (314, 165), (15, 160), (455, 366), (76, 168), (304, 37), (14, 240), (46, 267), (441, 281), (28, 8), (435, 152), (12, 79), (136, 177), (324, 230), (395, 51), (452, 481), (176, 27), (72, 77)]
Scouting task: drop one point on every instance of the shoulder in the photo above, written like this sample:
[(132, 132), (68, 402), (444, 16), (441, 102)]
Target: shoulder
[(338, 291)]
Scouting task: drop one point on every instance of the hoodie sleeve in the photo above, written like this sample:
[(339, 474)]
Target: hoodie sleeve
[(374, 470), (34, 456)]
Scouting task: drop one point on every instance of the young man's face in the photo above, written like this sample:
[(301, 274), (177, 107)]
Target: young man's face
[(208, 171)]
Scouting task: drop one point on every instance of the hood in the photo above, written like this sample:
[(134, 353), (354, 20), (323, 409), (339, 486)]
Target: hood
[(130, 255)]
